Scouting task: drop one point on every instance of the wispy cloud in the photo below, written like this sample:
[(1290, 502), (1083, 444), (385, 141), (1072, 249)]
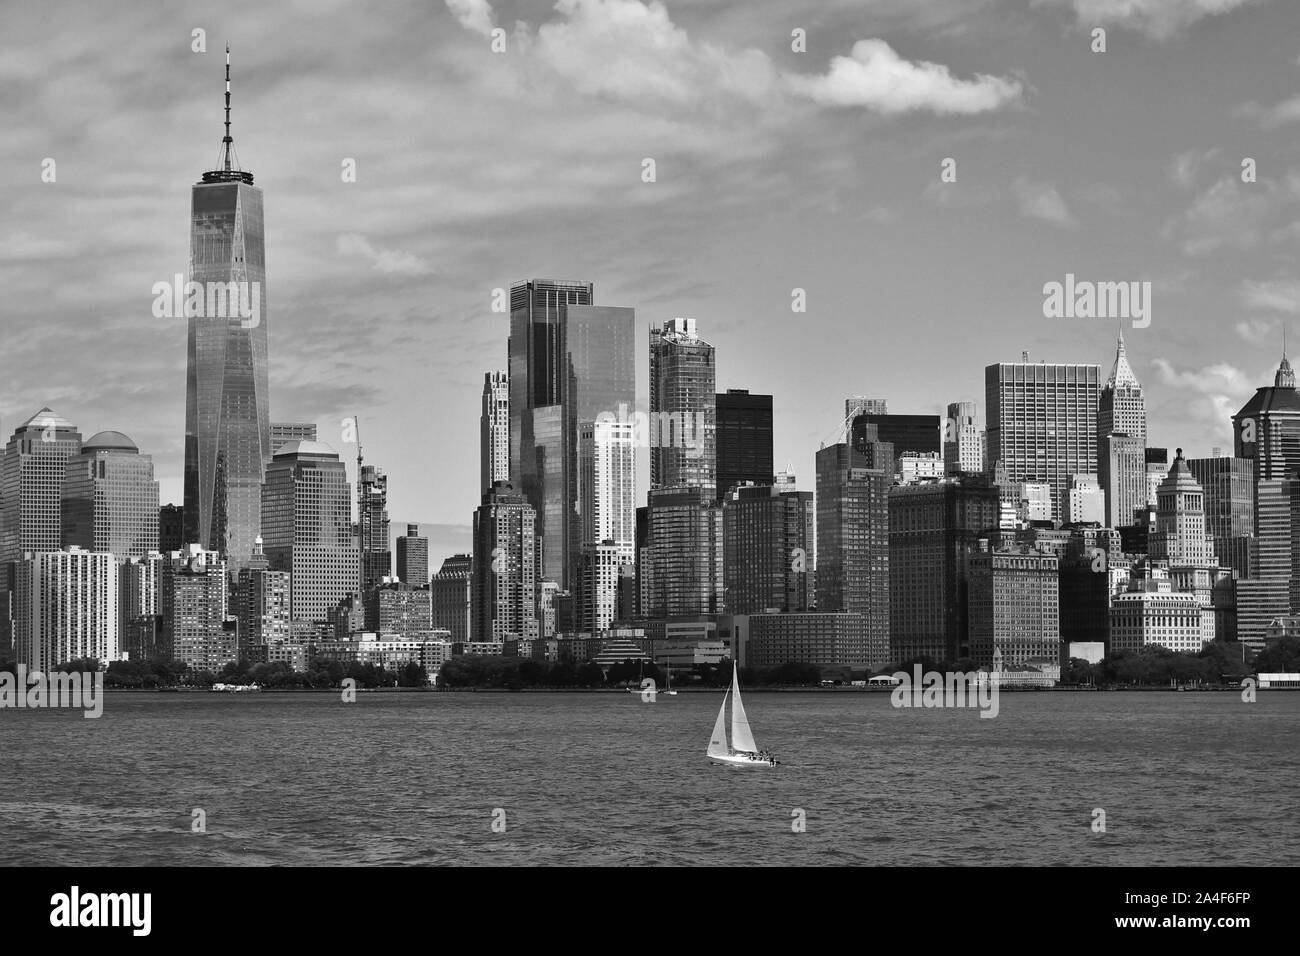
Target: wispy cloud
[(1159, 19), (390, 261), (1041, 201)]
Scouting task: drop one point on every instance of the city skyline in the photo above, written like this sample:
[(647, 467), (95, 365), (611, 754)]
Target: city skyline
[(1213, 246)]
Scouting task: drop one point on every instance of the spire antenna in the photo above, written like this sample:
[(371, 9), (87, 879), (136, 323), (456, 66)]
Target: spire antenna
[(228, 141)]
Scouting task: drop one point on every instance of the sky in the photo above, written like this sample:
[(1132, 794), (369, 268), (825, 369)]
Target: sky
[(796, 146)]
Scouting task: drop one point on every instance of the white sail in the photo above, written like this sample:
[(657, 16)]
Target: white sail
[(742, 738), (718, 742)]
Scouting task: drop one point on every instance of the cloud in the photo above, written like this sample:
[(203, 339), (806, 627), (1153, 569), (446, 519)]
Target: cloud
[(876, 77), (633, 53), (1232, 214), (389, 261), (1278, 295), (1212, 393), (1041, 201), (1270, 117), (1257, 331), (473, 15), (1184, 166), (1159, 19)]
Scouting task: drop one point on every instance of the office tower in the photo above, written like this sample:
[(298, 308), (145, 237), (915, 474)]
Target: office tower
[(110, 498), (196, 629), (503, 590), (449, 597), (307, 529), (399, 610), (907, 433), (767, 543), (494, 430), (1267, 431), (683, 408), (856, 405), (599, 384), (413, 557), (1014, 606), (1151, 612), (744, 439), (1228, 483), (607, 485), (284, 432), (915, 467), (1180, 537), (1091, 558), (262, 601), (683, 553), (372, 528), (227, 417), (1121, 472), (1087, 501), (1042, 422), (171, 528), (599, 575), (853, 533), (65, 608), (31, 484), (1157, 465), (139, 606), (963, 440), (1121, 436), (933, 531)]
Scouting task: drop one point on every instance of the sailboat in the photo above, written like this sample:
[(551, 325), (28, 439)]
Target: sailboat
[(743, 750), (669, 687)]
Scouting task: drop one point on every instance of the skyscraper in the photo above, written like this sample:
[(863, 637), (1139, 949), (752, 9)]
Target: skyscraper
[(110, 498), (767, 541), (1014, 606), (853, 533), (372, 528), (1121, 434), (307, 524), (1180, 536), (1042, 423), (494, 430), (227, 408), (284, 432), (171, 528), (449, 596), (907, 433), (32, 474), (683, 408), (503, 590), (683, 553), (197, 631), (1229, 508), (413, 557), (65, 608), (607, 485), (963, 440), (744, 439)]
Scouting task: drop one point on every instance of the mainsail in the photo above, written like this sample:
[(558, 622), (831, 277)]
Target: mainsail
[(718, 742), (742, 738)]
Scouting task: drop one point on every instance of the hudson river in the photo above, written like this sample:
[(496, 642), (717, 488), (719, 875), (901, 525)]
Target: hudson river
[(1183, 778)]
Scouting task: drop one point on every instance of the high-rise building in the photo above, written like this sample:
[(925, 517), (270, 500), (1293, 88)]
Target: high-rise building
[(856, 405), (1267, 431), (140, 606), (494, 430), (599, 574), (683, 553), (1180, 536), (413, 557), (1229, 508), (907, 433), (933, 531), (171, 528), (767, 542), (1157, 463), (197, 631), (307, 529), (1087, 501), (853, 532), (262, 603), (372, 528), (744, 439), (1014, 606), (449, 597), (607, 485), (32, 474), (683, 408), (1121, 437), (110, 498), (399, 610), (284, 432), (503, 590), (65, 608), (227, 405), (1042, 422), (963, 440)]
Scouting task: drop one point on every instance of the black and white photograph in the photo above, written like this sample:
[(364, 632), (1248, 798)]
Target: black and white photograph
[(643, 434)]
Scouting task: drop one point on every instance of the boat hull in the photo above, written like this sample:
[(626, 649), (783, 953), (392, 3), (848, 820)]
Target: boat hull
[(741, 760)]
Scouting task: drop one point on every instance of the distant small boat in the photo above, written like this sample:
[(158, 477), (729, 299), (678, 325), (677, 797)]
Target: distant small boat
[(743, 751), (668, 689)]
